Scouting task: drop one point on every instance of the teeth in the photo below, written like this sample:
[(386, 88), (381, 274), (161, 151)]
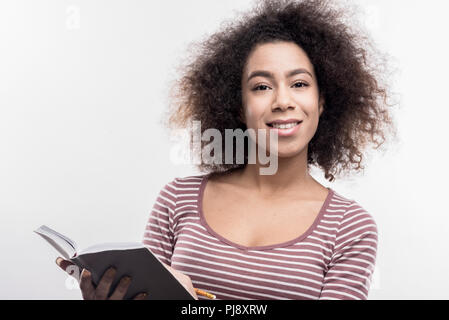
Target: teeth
[(285, 125)]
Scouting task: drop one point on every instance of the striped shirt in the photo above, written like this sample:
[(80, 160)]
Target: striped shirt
[(333, 259)]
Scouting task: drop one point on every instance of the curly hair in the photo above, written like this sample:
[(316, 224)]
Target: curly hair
[(356, 109)]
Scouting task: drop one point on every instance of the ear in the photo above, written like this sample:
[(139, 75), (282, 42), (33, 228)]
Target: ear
[(321, 104)]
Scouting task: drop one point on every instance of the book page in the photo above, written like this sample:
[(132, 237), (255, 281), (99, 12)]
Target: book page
[(65, 246)]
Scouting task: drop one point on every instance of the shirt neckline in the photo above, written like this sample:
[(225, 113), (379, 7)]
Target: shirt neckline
[(203, 221)]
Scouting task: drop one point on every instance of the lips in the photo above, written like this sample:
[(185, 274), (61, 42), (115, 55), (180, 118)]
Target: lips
[(283, 123), (285, 128)]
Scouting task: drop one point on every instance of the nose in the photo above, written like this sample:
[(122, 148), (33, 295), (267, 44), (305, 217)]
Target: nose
[(283, 100)]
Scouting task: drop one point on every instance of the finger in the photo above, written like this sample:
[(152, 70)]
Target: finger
[(141, 296), (86, 285), (121, 289), (101, 293), (69, 267), (63, 264)]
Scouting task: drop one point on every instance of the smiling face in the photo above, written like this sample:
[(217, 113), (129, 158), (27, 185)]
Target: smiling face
[(279, 84)]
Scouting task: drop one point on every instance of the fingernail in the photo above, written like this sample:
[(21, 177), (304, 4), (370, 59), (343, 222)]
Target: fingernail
[(58, 260), (86, 273), (126, 279)]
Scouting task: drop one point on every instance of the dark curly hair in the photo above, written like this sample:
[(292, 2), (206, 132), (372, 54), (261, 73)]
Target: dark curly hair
[(347, 66)]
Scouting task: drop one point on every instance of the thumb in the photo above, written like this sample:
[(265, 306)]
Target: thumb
[(63, 264)]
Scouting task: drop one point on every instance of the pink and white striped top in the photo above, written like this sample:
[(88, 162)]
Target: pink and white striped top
[(333, 259)]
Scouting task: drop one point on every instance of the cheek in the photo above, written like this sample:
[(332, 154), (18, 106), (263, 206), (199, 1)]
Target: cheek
[(248, 113), (312, 125), (313, 116), (309, 103), (253, 114)]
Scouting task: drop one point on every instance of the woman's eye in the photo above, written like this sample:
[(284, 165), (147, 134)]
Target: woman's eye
[(261, 86), (296, 85), (302, 84)]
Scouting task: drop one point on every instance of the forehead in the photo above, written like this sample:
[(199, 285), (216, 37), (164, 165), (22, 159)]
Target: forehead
[(278, 56)]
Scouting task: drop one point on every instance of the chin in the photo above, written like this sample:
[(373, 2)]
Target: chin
[(289, 152)]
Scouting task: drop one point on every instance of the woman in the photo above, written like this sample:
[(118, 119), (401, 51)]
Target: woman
[(293, 67)]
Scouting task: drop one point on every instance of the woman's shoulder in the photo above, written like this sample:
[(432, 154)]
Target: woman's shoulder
[(181, 184), (189, 180), (354, 217), (177, 188)]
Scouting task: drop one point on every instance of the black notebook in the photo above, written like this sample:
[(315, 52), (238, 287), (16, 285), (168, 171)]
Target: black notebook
[(147, 272)]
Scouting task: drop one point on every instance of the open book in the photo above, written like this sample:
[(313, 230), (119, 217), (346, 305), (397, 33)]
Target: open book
[(147, 272)]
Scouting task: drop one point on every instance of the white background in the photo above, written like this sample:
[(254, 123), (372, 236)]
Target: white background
[(83, 85)]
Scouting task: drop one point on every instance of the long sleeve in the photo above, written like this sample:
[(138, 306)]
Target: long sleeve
[(158, 236), (352, 264)]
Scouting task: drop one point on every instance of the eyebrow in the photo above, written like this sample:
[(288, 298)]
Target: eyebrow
[(267, 74)]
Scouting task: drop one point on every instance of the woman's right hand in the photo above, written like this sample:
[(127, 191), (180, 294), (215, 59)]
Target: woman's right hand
[(100, 292)]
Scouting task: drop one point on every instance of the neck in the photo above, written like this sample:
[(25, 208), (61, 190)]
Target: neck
[(292, 174)]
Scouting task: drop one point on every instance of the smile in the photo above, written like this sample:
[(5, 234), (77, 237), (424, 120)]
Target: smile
[(284, 125), (285, 129)]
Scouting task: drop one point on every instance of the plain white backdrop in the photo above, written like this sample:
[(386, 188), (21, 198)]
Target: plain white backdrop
[(83, 87)]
